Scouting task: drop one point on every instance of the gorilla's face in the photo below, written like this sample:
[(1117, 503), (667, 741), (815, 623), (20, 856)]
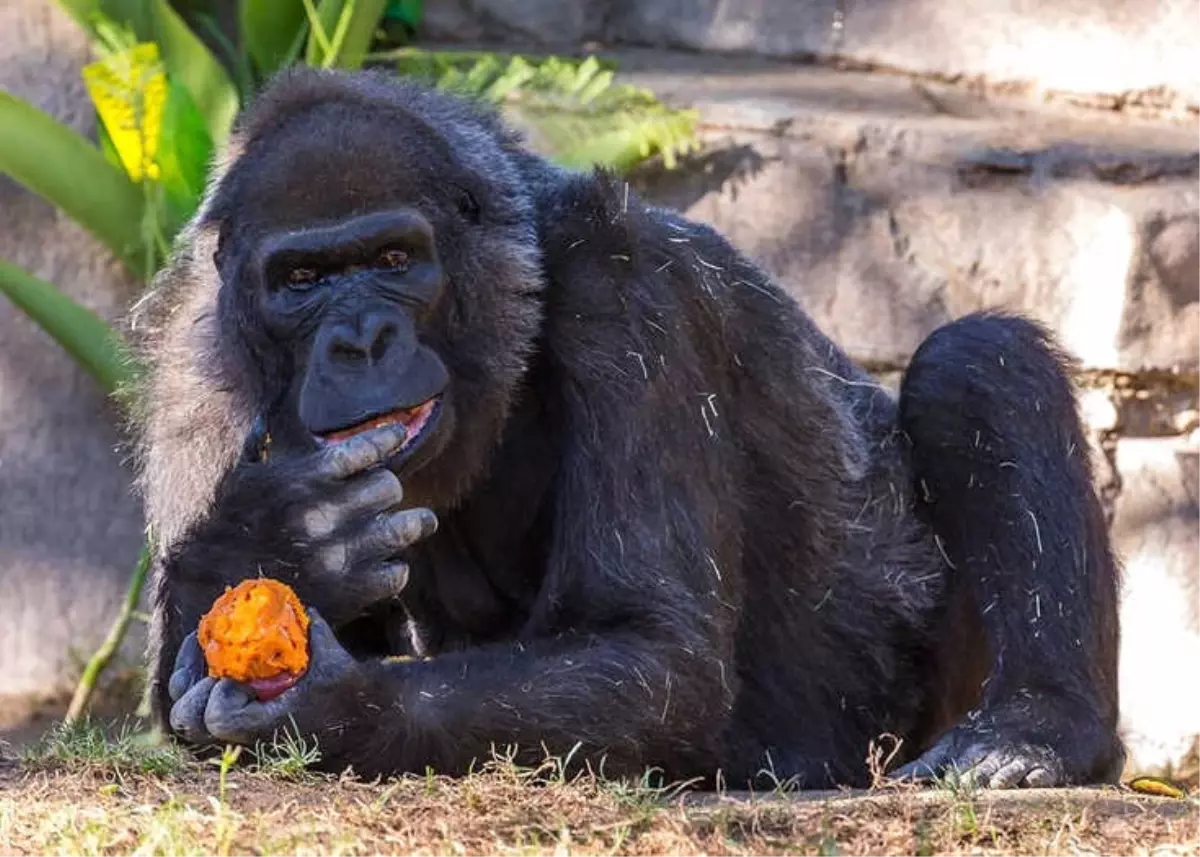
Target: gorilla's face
[(370, 276), (352, 298)]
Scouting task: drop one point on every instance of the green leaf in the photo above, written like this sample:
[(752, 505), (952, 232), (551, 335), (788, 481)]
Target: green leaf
[(408, 11), (184, 152), (574, 110), (270, 29), (189, 62), (137, 14), (53, 161), (84, 335), (342, 31)]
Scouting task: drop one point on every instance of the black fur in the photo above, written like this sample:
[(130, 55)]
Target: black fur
[(678, 526)]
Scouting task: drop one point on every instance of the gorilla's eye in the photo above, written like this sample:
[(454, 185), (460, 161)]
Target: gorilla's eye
[(302, 278), (393, 259)]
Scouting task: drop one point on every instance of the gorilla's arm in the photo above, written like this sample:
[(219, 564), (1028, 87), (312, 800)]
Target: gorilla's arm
[(628, 650), (629, 658)]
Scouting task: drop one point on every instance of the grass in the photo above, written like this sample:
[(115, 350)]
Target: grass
[(85, 744), (88, 791)]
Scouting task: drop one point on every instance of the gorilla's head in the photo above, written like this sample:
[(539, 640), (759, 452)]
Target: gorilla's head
[(374, 259)]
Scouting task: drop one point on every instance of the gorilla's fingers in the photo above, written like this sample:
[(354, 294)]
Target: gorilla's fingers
[(391, 533), (927, 767), (1010, 775), (187, 715), (978, 764), (373, 493), (1042, 778), (232, 712), (377, 491), (345, 458), (189, 667), (329, 657), (917, 771), (380, 583)]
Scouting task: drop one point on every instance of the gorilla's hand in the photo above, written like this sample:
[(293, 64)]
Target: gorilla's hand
[(208, 710), (327, 522)]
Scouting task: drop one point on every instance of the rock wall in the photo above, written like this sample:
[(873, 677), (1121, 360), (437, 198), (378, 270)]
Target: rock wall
[(1106, 51), (69, 528)]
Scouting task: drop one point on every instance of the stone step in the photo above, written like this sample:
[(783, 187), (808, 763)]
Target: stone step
[(889, 206), (1104, 51)]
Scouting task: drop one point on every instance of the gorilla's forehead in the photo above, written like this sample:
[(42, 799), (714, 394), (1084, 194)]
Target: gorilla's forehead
[(335, 160)]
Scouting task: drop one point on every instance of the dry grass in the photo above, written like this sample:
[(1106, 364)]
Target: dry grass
[(58, 800)]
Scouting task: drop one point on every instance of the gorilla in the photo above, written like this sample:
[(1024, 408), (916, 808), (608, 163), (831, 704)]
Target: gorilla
[(555, 470)]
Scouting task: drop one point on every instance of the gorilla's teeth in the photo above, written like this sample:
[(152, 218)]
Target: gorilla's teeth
[(413, 419)]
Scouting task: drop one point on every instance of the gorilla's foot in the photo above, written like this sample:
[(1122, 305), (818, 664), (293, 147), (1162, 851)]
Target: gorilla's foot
[(1030, 744)]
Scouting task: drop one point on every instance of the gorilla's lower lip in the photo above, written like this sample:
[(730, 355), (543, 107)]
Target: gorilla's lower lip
[(413, 419)]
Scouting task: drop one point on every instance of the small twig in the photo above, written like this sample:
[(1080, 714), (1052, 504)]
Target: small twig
[(100, 659)]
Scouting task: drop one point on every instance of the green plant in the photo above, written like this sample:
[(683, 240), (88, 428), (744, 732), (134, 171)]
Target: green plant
[(573, 110), (166, 103), (289, 756), (84, 744)]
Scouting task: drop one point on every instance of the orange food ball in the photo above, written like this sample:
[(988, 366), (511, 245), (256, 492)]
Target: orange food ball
[(256, 630)]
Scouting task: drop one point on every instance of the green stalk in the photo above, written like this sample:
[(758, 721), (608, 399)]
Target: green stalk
[(100, 659)]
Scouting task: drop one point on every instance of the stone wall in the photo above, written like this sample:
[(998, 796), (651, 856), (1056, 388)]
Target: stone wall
[(1106, 51), (69, 528)]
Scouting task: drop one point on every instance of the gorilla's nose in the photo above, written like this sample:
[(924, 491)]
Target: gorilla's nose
[(363, 340)]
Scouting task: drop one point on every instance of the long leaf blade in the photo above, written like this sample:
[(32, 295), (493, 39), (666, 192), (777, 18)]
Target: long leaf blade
[(56, 163), (269, 29), (84, 335), (191, 63), (349, 26)]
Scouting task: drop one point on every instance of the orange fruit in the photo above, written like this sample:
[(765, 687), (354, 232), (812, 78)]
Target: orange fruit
[(255, 632)]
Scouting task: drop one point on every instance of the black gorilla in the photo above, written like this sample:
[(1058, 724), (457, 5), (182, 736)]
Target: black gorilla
[(675, 526)]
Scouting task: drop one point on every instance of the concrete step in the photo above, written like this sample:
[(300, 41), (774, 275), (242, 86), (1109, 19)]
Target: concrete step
[(889, 206), (1102, 51)]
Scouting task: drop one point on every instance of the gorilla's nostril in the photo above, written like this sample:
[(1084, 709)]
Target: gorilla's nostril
[(383, 340), (344, 351)]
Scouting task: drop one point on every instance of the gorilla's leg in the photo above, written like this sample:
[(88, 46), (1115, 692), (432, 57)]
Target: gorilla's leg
[(1002, 470)]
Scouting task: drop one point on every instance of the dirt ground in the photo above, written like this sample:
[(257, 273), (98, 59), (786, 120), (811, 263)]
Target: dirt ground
[(118, 806)]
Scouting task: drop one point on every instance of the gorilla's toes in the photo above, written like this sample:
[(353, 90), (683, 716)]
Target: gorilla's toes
[(962, 757)]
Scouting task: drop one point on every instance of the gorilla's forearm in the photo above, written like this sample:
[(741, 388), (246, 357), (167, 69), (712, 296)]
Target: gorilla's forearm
[(623, 697)]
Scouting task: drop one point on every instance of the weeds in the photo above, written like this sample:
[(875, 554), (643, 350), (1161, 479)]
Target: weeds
[(87, 744), (289, 756), (555, 805)]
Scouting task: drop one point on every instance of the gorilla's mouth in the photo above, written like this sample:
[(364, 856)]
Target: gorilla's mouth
[(415, 420)]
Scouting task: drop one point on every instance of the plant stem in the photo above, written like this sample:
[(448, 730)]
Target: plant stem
[(100, 659)]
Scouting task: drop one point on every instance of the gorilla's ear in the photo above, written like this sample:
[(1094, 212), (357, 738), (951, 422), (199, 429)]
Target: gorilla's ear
[(189, 415)]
